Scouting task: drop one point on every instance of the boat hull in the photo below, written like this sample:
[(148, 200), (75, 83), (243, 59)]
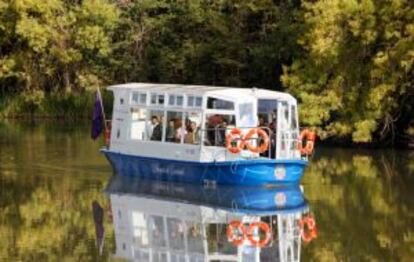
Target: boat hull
[(241, 172)]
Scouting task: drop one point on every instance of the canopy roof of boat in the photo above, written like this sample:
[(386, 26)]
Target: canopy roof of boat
[(220, 91)]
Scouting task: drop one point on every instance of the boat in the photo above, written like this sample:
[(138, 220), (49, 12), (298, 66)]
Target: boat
[(206, 134), (162, 221)]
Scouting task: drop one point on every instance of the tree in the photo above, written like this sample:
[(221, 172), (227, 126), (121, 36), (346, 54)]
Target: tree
[(356, 75)]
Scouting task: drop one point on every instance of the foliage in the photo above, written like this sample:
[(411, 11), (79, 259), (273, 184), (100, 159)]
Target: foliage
[(356, 76), (349, 62)]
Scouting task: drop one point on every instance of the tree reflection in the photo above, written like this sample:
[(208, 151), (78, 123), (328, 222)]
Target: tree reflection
[(364, 205)]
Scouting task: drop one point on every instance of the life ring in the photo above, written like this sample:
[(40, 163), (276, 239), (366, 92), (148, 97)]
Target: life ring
[(236, 239), (231, 137), (310, 141), (308, 229), (261, 133), (265, 228)]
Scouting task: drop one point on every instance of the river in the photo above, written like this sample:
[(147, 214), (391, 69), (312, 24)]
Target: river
[(52, 177)]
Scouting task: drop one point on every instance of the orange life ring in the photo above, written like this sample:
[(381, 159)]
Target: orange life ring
[(309, 232), (264, 227), (310, 141), (261, 133), (236, 239), (230, 137)]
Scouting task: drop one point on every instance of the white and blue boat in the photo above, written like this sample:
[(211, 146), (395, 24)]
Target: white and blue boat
[(206, 134)]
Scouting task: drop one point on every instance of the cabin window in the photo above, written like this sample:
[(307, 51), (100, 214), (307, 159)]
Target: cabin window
[(138, 118), (176, 233), (154, 130), (156, 225), (217, 127), (139, 98), (192, 126), (216, 103), (175, 100), (175, 130), (171, 100), (180, 100), (247, 118), (194, 101)]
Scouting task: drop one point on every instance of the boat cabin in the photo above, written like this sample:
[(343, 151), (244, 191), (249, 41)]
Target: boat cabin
[(190, 122)]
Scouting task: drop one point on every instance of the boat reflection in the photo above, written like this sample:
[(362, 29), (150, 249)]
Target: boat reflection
[(158, 221)]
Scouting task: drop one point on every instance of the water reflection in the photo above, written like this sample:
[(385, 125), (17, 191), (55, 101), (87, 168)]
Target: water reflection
[(50, 174), (158, 221)]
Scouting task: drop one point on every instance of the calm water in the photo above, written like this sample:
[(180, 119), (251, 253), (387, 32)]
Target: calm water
[(52, 177)]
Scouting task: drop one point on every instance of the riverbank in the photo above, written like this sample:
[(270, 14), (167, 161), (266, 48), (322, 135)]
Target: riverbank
[(38, 105)]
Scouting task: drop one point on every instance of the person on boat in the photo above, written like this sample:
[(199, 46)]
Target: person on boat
[(151, 125), (170, 133), (157, 131), (180, 132), (221, 133), (192, 136)]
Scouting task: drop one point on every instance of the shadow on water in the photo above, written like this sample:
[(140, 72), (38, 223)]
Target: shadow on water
[(53, 206)]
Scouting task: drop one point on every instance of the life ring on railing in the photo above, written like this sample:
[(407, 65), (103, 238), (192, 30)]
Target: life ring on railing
[(261, 133), (235, 135), (261, 226), (238, 238), (307, 226), (310, 141)]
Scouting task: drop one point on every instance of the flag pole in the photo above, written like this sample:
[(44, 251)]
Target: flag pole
[(102, 107)]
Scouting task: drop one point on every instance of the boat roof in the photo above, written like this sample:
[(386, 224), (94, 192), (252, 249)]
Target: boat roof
[(201, 90)]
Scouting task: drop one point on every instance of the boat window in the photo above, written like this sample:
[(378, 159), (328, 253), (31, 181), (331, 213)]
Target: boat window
[(216, 103), (154, 130), (138, 118), (180, 100), (160, 99), (156, 226), (199, 101), (194, 101), (175, 130), (153, 99), (217, 126), (194, 232), (247, 118), (192, 126), (171, 100), (175, 100), (138, 98), (176, 231)]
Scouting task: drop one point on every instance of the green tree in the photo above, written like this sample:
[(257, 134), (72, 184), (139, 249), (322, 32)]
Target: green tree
[(356, 75)]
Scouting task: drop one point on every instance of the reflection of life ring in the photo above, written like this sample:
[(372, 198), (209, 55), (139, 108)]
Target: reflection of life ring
[(235, 135), (307, 226), (310, 141), (261, 226), (260, 133), (238, 238)]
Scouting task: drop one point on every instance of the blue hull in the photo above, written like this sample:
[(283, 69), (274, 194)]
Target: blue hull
[(242, 172)]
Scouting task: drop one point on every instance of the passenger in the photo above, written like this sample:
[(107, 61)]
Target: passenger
[(150, 126), (157, 130), (262, 122), (192, 136), (180, 132), (170, 132)]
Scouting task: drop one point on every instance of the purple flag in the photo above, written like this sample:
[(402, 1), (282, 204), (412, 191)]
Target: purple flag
[(97, 117)]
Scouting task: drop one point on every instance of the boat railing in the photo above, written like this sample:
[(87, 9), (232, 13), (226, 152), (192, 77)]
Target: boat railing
[(216, 136)]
